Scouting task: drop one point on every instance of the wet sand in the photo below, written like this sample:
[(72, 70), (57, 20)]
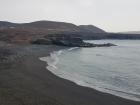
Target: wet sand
[(26, 81)]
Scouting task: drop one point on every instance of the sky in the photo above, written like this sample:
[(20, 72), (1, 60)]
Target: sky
[(110, 15)]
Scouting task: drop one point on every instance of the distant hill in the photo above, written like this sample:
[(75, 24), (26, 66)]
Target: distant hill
[(131, 32), (27, 32), (91, 28), (52, 25), (5, 24)]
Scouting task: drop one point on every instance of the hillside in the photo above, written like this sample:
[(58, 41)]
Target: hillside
[(27, 32), (52, 25), (91, 28), (5, 24)]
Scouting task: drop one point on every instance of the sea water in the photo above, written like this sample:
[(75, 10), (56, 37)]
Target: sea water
[(114, 70)]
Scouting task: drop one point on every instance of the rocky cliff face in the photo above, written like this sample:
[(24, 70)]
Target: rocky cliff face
[(67, 40)]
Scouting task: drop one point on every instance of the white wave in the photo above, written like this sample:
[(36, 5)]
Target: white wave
[(73, 48), (52, 60)]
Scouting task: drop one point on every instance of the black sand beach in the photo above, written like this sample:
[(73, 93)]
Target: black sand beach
[(24, 80)]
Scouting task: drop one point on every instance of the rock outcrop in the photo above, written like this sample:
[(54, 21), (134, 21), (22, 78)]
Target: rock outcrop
[(64, 40), (42, 41)]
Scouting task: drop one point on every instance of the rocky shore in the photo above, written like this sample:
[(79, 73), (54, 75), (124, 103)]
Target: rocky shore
[(69, 41)]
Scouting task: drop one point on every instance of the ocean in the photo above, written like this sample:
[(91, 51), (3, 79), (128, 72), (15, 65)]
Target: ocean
[(114, 70)]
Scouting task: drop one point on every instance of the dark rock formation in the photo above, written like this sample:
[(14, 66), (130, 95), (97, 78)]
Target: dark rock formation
[(65, 40), (71, 42), (42, 41)]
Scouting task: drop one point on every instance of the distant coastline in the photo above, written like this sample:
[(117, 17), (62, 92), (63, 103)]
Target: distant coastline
[(28, 32)]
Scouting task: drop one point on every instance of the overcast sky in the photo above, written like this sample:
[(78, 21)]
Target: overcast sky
[(110, 15)]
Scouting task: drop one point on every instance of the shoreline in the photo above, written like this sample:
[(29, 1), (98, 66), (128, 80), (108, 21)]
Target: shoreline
[(29, 82), (52, 60)]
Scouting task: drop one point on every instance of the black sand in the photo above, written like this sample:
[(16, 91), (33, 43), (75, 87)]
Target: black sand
[(26, 81)]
